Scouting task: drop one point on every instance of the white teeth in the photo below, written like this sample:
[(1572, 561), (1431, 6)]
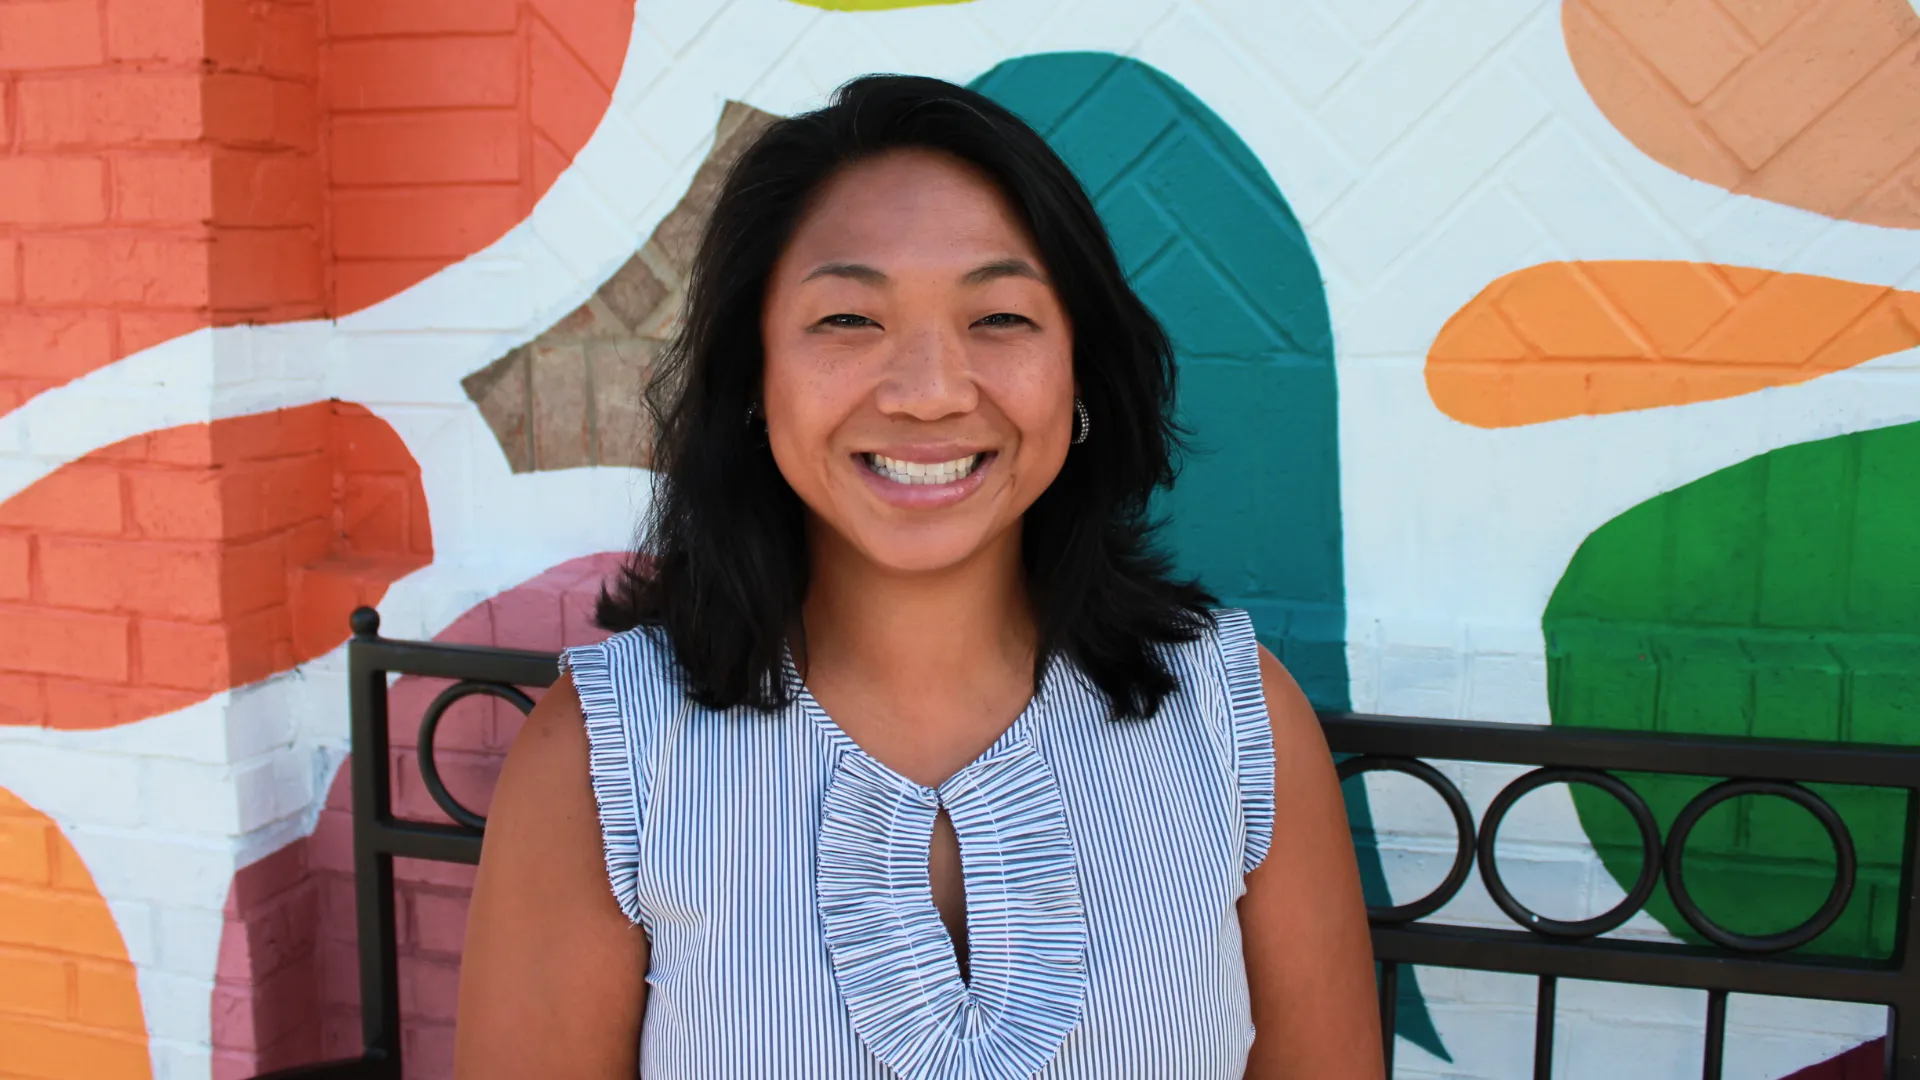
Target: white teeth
[(915, 472)]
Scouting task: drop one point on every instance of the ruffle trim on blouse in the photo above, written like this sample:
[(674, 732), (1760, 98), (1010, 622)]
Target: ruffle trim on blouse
[(1027, 931), (615, 760), (1252, 732)]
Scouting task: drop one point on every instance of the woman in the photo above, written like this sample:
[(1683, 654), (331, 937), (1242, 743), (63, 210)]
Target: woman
[(911, 758)]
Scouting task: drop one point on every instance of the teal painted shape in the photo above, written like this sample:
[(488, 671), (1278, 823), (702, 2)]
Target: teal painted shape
[(1212, 247)]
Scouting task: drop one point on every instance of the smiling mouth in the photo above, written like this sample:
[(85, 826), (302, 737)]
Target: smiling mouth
[(925, 474)]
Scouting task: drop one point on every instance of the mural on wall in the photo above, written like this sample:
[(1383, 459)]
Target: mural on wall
[(1778, 598), (390, 350)]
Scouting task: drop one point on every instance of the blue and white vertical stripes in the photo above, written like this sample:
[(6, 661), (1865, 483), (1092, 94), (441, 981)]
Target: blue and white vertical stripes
[(1252, 732), (781, 874)]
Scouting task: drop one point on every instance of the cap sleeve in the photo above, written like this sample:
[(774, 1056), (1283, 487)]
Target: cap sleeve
[(1252, 732), (625, 692)]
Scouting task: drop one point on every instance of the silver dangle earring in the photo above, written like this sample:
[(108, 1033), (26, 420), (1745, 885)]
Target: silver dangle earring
[(1082, 422)]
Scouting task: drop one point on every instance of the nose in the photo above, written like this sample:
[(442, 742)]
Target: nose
[(928, 377)]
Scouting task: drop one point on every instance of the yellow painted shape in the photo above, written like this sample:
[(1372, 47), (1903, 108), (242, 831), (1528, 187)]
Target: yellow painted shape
[(1815, 105), (69, 1002), (874, 5), (1584, 338)]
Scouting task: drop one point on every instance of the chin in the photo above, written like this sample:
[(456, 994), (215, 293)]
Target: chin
[(922, 551)]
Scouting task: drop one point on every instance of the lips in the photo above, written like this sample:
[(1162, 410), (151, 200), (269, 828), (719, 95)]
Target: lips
[(900, 481)]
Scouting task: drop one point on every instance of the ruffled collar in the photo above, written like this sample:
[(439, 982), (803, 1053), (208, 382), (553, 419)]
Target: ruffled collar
[(1026, 922)]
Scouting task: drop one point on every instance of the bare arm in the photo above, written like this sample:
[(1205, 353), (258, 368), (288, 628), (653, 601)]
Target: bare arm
[(553, 981), (1303, 920)]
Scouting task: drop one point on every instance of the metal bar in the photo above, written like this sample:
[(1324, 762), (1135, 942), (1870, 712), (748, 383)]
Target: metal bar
[(1645, 751), (1389, 1009), (515, 666), (424, 840), (1543, 1007), (1716, 1047), (373, 868), (1903, 1022), (1695, 967)]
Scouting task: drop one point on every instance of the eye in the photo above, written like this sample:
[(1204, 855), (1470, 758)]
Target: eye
[(846, 320), (1001, 319)]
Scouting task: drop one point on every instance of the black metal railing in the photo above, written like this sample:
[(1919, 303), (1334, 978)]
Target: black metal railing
[(1548, 949), (1551, 950)]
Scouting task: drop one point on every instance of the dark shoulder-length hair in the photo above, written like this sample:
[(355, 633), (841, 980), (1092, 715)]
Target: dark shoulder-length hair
[(723, 566)]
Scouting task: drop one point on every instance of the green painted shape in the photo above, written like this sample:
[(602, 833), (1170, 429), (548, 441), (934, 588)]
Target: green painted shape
[(1212, 247), (1214, 250), (875, 5), (1779, 597)]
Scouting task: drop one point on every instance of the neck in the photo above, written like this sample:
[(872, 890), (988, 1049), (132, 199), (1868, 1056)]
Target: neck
[(918, 632)]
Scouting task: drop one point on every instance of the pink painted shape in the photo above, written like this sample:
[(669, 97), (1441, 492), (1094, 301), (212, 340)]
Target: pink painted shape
[(1864, 1062), (287, 990)]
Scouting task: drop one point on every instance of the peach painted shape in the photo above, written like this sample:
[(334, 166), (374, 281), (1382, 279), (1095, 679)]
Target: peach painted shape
[(1814, 105), (1568, 339), (69, 999), (152, 573)]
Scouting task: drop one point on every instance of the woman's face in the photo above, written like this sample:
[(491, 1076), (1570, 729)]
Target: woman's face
[(919, 368)]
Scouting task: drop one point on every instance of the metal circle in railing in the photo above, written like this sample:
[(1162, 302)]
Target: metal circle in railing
[(1577, 928), (1845, 865), (1462, 825), (430, 724)]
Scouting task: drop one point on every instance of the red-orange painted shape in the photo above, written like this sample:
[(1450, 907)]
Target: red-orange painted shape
[(1582, 338), (1811, 103), (152, 573), (448, 119), (169, 165), (69, 1000), (160, 173)]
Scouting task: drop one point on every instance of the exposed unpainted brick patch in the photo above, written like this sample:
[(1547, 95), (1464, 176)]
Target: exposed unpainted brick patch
[(572, 397)]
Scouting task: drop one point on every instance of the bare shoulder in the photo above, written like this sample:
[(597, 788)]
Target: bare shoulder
[(1297, 736), (551, 983), (552, 744)]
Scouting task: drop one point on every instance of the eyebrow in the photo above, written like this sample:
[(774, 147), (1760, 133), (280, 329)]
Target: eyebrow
[(1000, 268), (979, 275), (860, 272)]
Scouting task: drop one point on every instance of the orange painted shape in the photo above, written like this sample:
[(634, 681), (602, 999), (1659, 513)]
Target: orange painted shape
[(186, 561), (69, 999), (1571, 339), (1811, 103)]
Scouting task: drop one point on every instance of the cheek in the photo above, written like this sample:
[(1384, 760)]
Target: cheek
[(804, 403)]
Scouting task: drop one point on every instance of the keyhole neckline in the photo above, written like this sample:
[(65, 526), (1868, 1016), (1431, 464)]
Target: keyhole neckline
[(1016, 734)]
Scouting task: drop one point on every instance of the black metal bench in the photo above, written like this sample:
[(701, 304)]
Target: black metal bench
[(1544, 948)]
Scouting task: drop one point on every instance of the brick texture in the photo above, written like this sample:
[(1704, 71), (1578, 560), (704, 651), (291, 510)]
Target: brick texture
[(572, 396), (169, 165), (1814, 104), (288, 970), (195, 559), (69, 1005)]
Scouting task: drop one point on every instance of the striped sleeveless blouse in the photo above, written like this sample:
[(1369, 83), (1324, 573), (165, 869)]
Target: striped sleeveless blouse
[(781, 875)]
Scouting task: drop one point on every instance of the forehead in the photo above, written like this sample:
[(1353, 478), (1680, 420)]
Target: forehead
[(904, 208)]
